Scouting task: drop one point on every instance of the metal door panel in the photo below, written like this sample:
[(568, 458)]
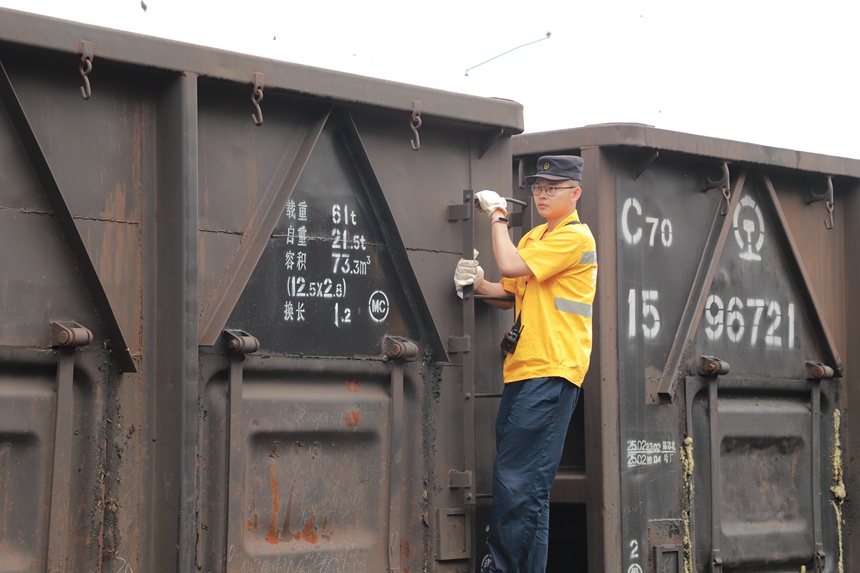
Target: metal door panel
[(763, 420), (316, 465), (764, 484), (26, 427)]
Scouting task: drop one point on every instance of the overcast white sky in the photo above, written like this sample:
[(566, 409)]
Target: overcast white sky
[(779, 73)]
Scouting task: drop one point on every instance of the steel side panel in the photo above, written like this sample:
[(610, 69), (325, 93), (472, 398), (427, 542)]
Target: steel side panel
[(173, 192), (777, 261)]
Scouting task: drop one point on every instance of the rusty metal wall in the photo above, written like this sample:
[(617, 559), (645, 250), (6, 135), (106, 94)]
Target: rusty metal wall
[(229, 339), (718, 431)]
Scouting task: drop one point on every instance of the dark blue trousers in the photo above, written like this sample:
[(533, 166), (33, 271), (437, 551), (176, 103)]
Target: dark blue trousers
[(530, 430)]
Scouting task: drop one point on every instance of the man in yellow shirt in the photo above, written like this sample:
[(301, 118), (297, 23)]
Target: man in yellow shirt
[(552, 275)]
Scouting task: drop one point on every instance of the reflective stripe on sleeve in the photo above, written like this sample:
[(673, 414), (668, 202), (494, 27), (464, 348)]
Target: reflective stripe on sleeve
[(588, 257), (573, 307)]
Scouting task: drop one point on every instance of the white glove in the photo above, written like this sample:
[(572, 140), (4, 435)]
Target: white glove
[(488, 201), (468, 272)]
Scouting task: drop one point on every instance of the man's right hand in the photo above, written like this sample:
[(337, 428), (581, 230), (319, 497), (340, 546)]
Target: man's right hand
[(468, 272), (488, 201)]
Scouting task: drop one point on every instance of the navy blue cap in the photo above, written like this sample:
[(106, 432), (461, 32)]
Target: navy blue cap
[(558, 168)]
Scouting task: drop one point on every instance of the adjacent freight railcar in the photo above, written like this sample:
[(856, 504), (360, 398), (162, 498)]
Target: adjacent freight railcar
[(717, 432), (229, 338)]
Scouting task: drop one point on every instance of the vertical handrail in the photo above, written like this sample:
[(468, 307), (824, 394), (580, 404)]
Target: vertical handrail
[(65, 336), (716, 495), (816, 475), (59, 518), (237, 343), (469, 448), (395, 485), (396, 350), (235, 465)]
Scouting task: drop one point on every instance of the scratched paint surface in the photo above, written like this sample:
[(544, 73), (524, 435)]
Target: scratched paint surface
[(316, 486)]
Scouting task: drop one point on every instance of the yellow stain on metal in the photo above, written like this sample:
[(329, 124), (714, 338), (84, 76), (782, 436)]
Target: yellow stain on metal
[(838, 487), (687, 505)]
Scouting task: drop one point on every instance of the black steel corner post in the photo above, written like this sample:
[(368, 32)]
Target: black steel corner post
[(601, 401), (466, 479), (237, 343), (174, 358), (65, 337)]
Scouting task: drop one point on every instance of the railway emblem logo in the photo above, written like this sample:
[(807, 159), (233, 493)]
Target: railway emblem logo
[(748, 225)]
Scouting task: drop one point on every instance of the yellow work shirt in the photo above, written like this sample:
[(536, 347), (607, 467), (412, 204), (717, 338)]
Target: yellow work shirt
[(554, 303)]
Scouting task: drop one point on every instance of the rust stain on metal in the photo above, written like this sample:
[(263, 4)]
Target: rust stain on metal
[(253, 511), (353, 386), (272, 536), (353, 417), (404, 554), (308, 532), (286, 529)]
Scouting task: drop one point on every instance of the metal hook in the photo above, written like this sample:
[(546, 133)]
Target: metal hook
[(818, 192), (256, 98), (85, 68), (416, 142), (715, 179), (416, 123), (828, 203), (724, 210)]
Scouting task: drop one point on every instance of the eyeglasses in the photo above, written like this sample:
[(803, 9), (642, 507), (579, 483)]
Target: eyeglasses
[(550, 191)]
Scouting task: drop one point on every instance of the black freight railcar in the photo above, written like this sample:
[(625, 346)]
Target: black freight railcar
[(716, 430), (229, 338)]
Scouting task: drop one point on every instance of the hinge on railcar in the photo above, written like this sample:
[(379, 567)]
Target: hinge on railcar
[(819, 561), (818, 192), (415, 124), (257, 97), (461, 480), (458, 344), (86, 67), (817, 370), (398, 348), (716, 562), (710, 366), (69, 333), (240, 342)]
